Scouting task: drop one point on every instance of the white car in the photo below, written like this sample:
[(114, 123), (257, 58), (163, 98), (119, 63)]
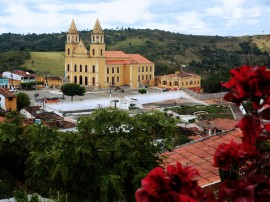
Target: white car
[(13, 90)]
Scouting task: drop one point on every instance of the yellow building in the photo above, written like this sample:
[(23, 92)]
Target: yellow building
[(180, 80), (100, 68), (8, 100)]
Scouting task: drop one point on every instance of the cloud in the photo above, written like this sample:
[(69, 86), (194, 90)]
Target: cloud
[(211, 17)]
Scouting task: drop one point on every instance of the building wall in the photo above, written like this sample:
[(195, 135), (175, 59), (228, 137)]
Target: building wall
[(2, 102), (192, 82), (11, 103), (4, 82), (14, 83), (8, 103)]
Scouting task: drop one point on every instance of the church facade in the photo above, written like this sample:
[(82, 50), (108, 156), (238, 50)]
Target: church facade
[(99, 68)]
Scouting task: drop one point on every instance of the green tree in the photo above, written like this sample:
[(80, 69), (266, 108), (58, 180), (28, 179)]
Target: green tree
[(13, 151), (23, 100), (72, 89)]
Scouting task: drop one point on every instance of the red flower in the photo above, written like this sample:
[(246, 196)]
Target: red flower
[(251, 128), (227, 155), (181, 181), (142, 195), (175, 185), (248, 82), (156, 183), (240, 190)]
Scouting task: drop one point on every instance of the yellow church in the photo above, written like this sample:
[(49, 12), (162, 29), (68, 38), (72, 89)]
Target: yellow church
[(99, 68)]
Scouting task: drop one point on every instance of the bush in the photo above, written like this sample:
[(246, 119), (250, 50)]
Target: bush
[(142, 91)]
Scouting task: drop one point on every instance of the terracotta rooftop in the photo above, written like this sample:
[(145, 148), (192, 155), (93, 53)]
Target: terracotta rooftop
[(116, 54), (32, 109), (52, 100), (119, 57), (48, 116), (199, 154), (22, 73), (50, 119), (181, 74), (2, 119), (221, 124), (140, 59), (6, 93)]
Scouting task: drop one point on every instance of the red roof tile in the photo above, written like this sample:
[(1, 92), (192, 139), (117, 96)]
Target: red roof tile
[(140, 59), (2, 119), (116, 54), (181, 74), (199, 154), (22, 73), (119, 57), (6, 93), (221, 124)]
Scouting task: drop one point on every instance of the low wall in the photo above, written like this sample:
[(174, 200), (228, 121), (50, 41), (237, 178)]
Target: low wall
[(204, 96)]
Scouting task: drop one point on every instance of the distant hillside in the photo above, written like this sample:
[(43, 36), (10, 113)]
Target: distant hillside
[(204, 55)]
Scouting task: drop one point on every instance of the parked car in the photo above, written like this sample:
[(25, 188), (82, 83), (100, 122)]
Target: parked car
[(14, 90)]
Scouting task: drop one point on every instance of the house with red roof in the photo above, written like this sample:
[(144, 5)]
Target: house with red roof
[(199, 154), (16, 77), (8, 100), (180, 80)]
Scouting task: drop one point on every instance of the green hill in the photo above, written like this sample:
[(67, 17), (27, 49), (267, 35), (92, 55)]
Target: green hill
[(209, 56), (51, 62)]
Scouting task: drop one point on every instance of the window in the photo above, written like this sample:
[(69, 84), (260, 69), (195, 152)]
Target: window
[(150, 77), (93, 52), (139, 69), (93, 69), (183, 84), (191, 82), (146, 77), (146, 68), (68, 51), (142, 68), (117, 79), (101, 53), (93, 39), (108, 79), (142, 77), (85, 68), (93, 81), (176, 83), (117, 69), (75, 79), (75, 68), (68, 38), (80, 68), (86, 81), (68, 68), (150, 68), (108, 70), (186, 83), (101, 38), (10, 98), (139, 78), (81, 81), (112, 70)]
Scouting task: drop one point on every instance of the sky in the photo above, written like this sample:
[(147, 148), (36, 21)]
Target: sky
[(195, 17)]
